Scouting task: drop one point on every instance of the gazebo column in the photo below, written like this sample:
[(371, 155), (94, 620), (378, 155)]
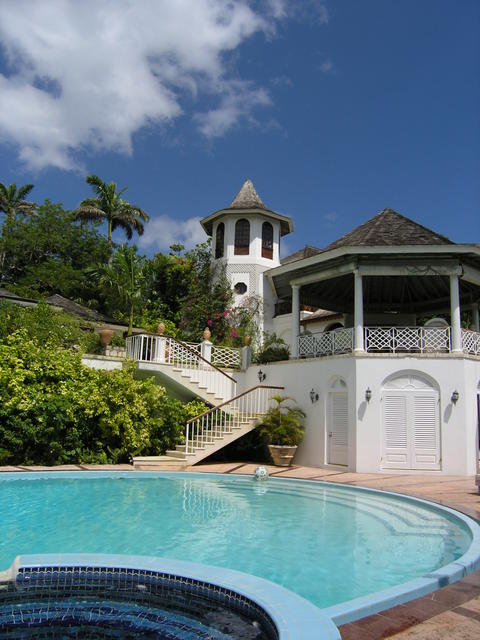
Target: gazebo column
[(456, 337), (295, 319), (358, 313), (475, 317)]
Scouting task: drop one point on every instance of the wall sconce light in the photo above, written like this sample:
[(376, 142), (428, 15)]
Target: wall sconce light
[(455, 397), (313, 396), (368, 394), (261, 376)]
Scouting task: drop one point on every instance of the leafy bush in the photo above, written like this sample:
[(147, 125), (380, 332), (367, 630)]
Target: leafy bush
[(273, 349), (44, 323), (117, 341), (54, 410)]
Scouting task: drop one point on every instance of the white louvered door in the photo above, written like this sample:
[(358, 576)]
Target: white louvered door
[(337, 445), (411, 430), (426, 432), (395, 431)]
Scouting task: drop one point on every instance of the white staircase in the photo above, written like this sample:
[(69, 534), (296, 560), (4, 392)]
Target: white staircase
[(233, 415), (184, 364), (221, 425)]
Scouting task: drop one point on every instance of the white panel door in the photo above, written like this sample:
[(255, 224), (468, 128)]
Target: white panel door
[(411, 430), (337, 446)]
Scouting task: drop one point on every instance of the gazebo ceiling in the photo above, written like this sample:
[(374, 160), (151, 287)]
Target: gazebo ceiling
[(406, 294)]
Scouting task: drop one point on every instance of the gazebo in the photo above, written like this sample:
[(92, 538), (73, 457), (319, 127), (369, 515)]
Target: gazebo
[(387, 276)]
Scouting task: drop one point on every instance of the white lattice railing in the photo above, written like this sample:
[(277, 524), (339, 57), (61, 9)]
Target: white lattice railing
[(407, 339), (328, 343), (471, 342), (186, 357), (226, 357), (223, 419), (386, 340)]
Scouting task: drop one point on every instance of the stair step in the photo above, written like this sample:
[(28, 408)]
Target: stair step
[(158, 463), (179, 454)]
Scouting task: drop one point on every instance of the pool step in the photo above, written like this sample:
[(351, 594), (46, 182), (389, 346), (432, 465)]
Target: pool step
[(159, 463)]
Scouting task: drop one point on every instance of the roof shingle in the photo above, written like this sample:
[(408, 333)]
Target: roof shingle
[(389, 228)]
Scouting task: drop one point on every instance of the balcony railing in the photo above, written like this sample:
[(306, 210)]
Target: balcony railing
[(386, 340)]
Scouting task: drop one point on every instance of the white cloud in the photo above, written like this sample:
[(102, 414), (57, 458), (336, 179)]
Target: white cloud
[(163, 231), (89, 74), (326, 67), (330, 218)]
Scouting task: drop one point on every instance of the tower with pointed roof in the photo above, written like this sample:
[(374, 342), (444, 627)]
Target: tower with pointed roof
[(246, 238)]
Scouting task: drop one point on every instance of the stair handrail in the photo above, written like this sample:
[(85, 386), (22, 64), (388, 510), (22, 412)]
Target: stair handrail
[(244, 393), (188, 348)]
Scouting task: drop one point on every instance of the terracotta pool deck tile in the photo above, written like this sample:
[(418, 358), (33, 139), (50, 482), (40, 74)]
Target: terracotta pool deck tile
[(60, 467), (5, 469), (446, 626), (346, 477), (107, 467), (217, 468)]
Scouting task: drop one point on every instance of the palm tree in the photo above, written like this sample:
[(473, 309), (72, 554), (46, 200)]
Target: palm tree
[(12, 201), (125, 276), (109, 206)]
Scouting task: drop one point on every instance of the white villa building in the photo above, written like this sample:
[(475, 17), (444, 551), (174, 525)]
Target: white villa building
[(380, 362)]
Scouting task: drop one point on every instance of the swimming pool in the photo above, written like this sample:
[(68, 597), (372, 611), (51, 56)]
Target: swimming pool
[(329, 544)]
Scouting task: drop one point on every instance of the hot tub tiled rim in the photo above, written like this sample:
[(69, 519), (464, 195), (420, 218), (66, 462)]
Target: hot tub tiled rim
[(294, 617)]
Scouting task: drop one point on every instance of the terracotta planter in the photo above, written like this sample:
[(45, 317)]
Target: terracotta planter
[(106, 335), (281, 455)]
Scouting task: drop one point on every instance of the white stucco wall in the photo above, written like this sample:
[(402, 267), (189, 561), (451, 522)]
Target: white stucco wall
[(102, 362), (458, 423)]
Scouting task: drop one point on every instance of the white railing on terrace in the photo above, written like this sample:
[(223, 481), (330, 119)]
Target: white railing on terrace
[(328, 343), (386, 340), (407, 339), (471, 342), (186, 357), (223, 419)]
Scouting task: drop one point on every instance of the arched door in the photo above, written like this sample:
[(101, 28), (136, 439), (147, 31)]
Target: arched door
[(337, 424), (411, 424)]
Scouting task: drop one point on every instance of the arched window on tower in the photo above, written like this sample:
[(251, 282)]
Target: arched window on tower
[(220, 241), (242, 237), (267, 240)]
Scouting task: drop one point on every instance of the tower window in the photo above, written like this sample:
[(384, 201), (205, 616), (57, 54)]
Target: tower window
[(220, 240), (267, 240), (242, 237), (240, 288)]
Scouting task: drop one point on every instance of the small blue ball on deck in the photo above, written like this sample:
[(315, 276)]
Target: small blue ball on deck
[(261, 473)]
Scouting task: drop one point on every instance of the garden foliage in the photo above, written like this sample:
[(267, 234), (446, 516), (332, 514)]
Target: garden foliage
[(54, 410)]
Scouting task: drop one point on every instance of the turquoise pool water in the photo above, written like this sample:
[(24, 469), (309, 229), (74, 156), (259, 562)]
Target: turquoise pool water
[(327, 543)]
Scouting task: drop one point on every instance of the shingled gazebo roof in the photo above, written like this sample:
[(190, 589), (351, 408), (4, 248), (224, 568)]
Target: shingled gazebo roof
[(247, 200), (405, 268), (389, 228)]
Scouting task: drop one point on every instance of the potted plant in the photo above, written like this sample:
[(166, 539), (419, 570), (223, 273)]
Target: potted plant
[(282, 429)]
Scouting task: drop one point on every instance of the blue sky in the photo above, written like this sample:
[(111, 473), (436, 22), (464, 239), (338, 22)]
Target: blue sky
[(335, 109)]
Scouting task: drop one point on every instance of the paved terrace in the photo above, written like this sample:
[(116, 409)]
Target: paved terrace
[(451, 613)]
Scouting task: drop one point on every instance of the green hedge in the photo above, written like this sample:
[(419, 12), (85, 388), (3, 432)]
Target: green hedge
[(54, 410)]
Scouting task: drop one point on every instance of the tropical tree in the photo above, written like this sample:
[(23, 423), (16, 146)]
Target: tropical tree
[(49, 253), (109, 205), (124, 277), (12, 201)]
